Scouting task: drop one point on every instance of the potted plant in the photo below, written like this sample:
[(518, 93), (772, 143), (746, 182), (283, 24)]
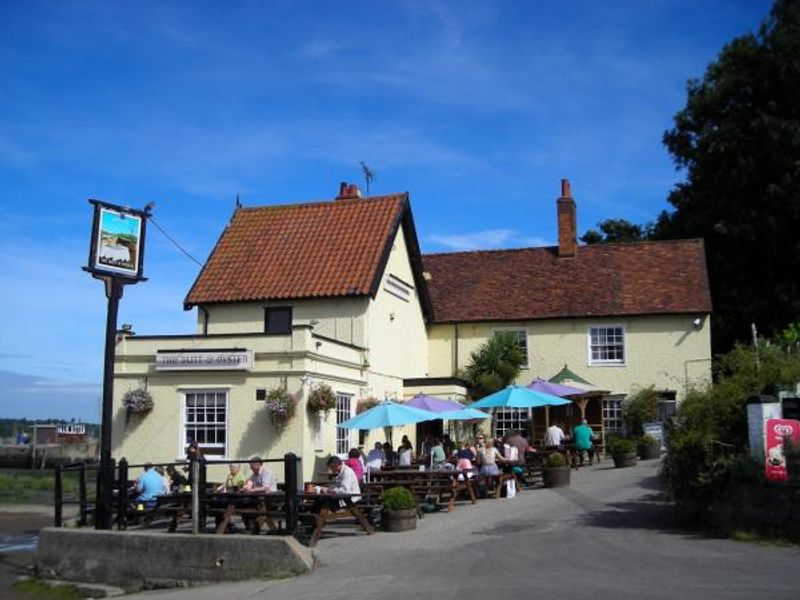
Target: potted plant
[(556, 471), (399, 510), (623, 451), (138, 401), (322, 398), (280, 406), (648, 447)]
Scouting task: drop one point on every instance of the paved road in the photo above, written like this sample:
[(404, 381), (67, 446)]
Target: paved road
[(608, 536)]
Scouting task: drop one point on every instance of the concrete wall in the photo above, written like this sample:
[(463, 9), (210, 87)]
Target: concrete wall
[(662, 350), (144, 560)]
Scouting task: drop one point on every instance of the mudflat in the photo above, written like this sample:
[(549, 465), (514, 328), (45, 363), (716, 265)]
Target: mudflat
[(19, 526)]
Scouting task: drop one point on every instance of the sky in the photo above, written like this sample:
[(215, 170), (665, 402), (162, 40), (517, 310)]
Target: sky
[(477, 109)]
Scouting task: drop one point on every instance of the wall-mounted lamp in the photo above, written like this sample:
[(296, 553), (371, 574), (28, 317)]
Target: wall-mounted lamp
[(318, 344), (126, 327), (391, 316), (698, 323)]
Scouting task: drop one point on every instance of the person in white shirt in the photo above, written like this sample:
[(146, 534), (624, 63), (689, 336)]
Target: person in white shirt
[(376, 458), (554, 436), (345, 480)]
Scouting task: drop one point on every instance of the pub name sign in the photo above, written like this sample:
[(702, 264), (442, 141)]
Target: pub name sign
[(205, 360)]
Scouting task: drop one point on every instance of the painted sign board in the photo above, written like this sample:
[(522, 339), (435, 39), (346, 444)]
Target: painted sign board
[(656, 429), (776, 433), (235, 359), (117, 243)]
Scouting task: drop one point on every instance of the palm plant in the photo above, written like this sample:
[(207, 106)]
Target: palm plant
[(495, 364)]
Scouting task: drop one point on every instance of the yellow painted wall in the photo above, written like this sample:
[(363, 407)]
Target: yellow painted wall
[(342, 319), (662, 350)]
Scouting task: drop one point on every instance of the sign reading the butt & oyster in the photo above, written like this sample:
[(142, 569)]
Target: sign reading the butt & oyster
[(235, 359)]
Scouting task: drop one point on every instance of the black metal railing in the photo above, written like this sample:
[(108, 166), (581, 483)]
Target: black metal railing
[(119, 499)]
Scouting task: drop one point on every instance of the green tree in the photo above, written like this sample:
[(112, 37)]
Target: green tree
[(495, 364), (738, 141), (615, 230)]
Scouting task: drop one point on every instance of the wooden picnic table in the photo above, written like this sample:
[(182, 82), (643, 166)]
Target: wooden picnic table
[(424, 484), (266, 507)]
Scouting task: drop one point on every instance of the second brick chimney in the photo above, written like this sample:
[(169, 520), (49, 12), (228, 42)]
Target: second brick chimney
[(567, 223), (348, 191)]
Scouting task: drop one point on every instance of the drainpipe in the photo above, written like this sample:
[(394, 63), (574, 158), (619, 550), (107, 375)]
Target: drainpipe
[(455, 366), (205, 319)]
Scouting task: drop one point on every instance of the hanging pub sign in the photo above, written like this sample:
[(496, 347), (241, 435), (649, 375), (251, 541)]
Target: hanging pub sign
[(117, 246)]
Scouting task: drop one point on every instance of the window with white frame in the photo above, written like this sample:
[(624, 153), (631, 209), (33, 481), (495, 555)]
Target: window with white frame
[(522, 340), (612, 413), (205, 420), (508, 420), (606, 345), (344, 403)]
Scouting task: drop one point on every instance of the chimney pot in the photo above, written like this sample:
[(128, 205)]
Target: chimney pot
[(565, 191)]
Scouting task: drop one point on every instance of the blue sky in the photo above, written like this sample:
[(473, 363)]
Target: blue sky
[(478, 109)]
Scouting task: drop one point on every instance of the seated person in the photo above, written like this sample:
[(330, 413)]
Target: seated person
[(582, 437), (354, 462), (376, 458), (389, 453), (554, 437), (489, 457), (261, 480), (405, 454), (344, 480), (234, 482), (176, 481), (438, 457), (149, 486)]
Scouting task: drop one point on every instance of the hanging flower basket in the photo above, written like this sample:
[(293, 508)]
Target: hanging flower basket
[(138, 401), (321, 398), (365, 404), (280, 406)]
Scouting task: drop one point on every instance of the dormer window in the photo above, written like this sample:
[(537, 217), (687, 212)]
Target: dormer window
[(278, 320)]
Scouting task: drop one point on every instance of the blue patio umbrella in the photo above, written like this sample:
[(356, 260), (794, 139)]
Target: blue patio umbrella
[(515, 396), (388, 414), (464, 414)]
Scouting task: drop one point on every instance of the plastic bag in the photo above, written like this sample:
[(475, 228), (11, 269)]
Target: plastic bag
[(511, 488)]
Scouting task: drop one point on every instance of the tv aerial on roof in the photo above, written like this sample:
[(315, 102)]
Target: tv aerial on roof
[(368, 175)]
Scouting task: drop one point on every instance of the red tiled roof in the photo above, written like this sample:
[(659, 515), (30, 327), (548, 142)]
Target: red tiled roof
[(323, 249), (602, 280)]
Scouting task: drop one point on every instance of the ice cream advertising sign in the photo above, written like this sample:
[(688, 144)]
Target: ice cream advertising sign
[(778, 431)]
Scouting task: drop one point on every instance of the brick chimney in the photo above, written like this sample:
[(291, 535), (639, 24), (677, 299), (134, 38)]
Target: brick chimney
[(348, 191), (567, 225)]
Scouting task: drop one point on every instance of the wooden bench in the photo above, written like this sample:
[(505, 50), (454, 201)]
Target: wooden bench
[(444, 485)]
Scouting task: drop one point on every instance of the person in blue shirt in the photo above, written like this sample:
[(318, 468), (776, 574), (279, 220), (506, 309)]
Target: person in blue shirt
[(582, 437), (150, 485)]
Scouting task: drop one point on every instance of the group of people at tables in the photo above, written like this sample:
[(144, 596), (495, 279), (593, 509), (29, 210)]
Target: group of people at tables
[(480, 455)]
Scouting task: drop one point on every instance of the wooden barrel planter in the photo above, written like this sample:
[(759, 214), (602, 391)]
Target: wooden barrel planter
[(400, 520), (626, 459), (649, 452), (556, 476)]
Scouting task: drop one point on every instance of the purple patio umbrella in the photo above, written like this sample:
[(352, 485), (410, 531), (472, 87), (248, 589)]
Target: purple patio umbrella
[(433, 404), (554, 389)]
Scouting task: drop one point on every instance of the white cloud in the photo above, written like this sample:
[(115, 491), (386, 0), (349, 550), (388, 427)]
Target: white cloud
[(487, 239)]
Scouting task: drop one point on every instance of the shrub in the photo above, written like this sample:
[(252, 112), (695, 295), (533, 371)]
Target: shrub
[(640, 408), (616, 444), (322, 398), (138, 401), (648, 440), (398, 498), (555, 460)]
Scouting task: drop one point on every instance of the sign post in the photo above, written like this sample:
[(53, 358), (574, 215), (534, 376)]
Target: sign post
[(116, 256)]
